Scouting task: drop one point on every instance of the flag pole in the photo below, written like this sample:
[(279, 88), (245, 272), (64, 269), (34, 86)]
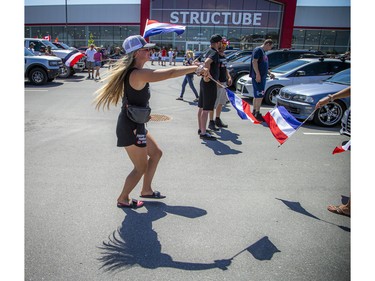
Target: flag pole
[(304, 121), (144, 31)]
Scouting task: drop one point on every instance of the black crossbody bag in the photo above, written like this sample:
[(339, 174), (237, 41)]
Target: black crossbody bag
[(137, 114)]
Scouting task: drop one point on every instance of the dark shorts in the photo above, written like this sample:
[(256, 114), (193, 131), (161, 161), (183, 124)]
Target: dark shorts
[(207, 95), (125, 132), (258, 88), (89, 64)]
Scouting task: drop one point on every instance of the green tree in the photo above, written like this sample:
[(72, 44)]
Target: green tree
[(91, 40)]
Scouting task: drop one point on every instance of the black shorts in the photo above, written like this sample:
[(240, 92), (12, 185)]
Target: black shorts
[(125, 132), (207, 95)]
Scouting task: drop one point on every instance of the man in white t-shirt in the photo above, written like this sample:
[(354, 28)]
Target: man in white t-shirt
[(90, 60), (170, 56)]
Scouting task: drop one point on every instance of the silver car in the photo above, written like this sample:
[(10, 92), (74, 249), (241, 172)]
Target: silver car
[(299, 71), (300, 101)]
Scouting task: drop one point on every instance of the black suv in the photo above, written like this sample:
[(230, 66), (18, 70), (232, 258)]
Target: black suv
[(275, 57)]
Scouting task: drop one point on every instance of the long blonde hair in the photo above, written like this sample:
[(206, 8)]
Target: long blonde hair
[(113, 90)]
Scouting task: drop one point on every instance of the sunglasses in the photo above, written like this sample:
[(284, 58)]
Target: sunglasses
[(145, 49)]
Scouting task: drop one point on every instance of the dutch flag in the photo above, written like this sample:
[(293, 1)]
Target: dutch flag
[(281, 123), (241, 106), (154, 27)]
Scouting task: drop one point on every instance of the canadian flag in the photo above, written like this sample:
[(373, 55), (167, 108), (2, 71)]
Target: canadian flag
[(47, 37)]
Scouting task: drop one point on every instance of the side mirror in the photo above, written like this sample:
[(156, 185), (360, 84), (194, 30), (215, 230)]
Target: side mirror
[(300, 73)]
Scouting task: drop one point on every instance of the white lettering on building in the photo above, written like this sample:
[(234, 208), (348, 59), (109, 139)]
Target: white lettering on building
[(215, 18)]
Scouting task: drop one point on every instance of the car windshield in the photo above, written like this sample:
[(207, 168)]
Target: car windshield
[(48, 43), (28, 52), (242, 59), (64, 45), (343, 77), (288, 66)]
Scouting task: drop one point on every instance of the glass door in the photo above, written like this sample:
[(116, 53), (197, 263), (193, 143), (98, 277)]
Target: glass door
[(197, 46)]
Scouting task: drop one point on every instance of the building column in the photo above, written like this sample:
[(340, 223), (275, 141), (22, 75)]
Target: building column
[(145, 14), (287, 25)]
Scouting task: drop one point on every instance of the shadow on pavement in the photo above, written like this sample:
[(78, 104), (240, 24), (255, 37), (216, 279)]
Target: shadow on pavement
[(136, 243), (296, 207), (220, 148)]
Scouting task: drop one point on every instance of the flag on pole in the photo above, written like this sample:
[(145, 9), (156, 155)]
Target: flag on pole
[(154, 27), (342, 148), (242, 107), (72, 58), (47, 37), (282, 124)]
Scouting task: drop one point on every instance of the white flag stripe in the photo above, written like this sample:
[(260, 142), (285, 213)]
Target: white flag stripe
[(347, 145), (281, 123)]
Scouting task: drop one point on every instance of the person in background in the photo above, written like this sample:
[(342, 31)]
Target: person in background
[(175, 52), (226, 80), (129, 80), (208, 88), (170, 56), (153, 56), (90, 61), (258, 74), (188, 78), (164, 56), (31, 47), (343, 209), (98, 57), (49, 52)]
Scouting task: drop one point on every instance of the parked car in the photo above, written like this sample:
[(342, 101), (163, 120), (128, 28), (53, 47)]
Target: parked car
[(299, 71), (63, 46), (240, 53), (41, 69), (300, 101), (238, 69), (40, 44)]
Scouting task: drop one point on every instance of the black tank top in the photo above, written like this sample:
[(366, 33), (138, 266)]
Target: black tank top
[(135, 97)]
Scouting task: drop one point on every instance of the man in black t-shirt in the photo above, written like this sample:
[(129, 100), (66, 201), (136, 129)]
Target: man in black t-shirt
[(208, 88)]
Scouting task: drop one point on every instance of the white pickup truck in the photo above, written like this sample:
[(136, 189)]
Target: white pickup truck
[(41, 44)]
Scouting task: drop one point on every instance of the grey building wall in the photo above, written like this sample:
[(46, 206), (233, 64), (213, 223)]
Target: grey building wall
[(324, 17), (88, 14)]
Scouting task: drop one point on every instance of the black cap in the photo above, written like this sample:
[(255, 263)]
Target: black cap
[(216, 38)]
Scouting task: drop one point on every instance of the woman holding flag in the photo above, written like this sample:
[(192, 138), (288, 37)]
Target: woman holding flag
[(130, 81)]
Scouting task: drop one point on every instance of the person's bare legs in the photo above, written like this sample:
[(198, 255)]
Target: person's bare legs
[(200, 110), (154, 153), (138, 156), (203, 121), (219, 108), (257, 103)]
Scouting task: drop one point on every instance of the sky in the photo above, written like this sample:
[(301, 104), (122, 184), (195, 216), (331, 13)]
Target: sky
[(72, 2)]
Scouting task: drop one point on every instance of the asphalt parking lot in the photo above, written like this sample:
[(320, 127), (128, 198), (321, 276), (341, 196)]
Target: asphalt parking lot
[(239, 208)]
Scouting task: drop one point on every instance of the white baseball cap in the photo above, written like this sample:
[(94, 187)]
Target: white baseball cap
[(135, 42)]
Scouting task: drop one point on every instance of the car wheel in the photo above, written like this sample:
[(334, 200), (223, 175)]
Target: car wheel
[(239, 76), (329, 115), (38, 76), (64, 72), (271, 94)]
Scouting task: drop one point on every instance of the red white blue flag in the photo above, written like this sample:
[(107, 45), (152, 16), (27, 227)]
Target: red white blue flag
[(281, 123), (72, 58), (242, 107), (342, 148), (154, 27)]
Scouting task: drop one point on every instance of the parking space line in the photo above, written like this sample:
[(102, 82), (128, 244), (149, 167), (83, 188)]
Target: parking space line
[(36, 90), (323, 134)]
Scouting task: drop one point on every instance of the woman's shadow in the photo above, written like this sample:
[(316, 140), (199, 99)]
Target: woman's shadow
[(136, 243)]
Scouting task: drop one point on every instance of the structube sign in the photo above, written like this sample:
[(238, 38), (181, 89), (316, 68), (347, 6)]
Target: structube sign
[(217, 18)]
